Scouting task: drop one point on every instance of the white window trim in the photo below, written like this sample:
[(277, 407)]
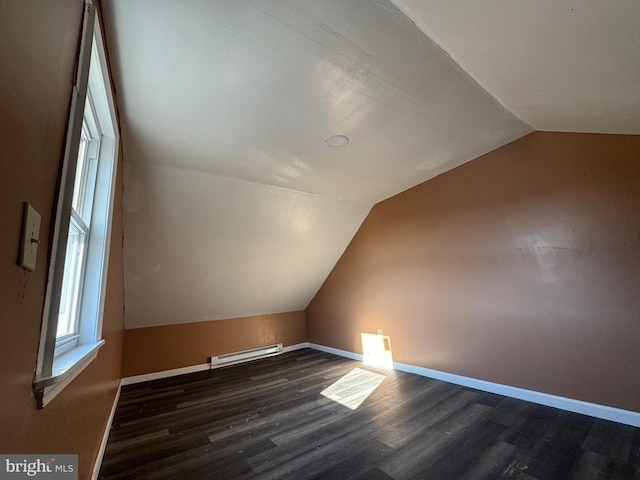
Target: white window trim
[(54, 372)]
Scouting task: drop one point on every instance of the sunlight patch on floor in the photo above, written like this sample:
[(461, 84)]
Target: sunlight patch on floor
[(354, 388)]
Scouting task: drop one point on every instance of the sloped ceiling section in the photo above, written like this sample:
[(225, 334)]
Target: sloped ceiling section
[(571, 66), (209, 247), (234, 204)]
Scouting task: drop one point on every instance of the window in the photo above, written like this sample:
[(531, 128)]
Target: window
[(72, 316), (67, 333)]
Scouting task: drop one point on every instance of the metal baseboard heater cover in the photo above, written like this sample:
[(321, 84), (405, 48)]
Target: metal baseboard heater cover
[(246, 355)]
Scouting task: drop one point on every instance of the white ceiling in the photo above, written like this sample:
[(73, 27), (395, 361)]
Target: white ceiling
[(570, 65), (234, 205)]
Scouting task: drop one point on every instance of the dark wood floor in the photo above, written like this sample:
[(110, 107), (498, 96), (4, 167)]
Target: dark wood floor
[(266, 419)]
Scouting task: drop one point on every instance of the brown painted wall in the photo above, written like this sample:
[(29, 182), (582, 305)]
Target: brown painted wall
[(38, 50), (521, 267), (154, 349)]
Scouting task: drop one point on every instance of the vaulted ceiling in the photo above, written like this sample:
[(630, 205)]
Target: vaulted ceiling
[(234, 203)]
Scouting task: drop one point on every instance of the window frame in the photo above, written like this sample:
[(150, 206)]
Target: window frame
[(81, 219), (92, 108)]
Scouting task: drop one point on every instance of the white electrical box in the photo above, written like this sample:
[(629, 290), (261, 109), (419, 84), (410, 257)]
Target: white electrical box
[(30, 238)]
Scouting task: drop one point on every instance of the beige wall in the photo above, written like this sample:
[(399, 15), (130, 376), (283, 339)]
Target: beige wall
[(521, 267), (38, 48), (154, 349)]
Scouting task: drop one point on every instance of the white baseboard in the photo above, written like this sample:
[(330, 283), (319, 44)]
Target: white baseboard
[(626, 417), (343, 353), (105, 436), (193, 368), (297, 346), (164, 374)]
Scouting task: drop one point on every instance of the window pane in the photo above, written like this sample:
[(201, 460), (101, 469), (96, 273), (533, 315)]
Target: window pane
[(67, 318)]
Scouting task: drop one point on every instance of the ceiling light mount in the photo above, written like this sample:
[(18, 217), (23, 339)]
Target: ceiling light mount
[(337, 141)]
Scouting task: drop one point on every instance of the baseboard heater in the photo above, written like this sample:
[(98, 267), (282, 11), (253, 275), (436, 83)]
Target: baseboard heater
[(245, 355)]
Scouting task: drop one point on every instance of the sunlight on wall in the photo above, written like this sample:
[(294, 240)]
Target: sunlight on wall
[(354, 388), (376, 350)]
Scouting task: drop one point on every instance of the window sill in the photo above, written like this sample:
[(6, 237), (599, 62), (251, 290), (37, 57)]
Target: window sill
[(66, 367)]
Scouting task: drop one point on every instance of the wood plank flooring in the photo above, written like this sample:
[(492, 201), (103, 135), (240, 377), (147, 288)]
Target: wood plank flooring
[(267, 420)]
